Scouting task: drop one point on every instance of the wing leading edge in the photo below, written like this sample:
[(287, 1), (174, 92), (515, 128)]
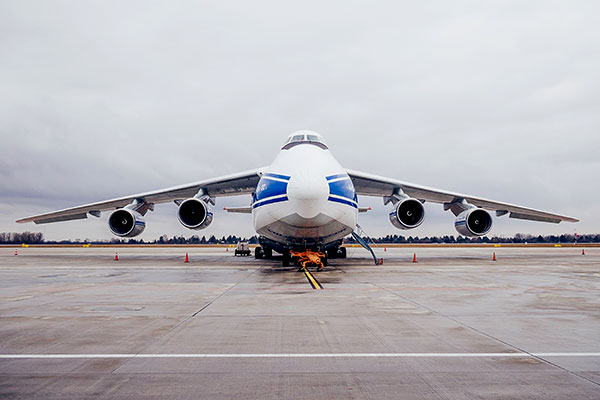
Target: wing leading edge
[(373, 185), (228, 185)]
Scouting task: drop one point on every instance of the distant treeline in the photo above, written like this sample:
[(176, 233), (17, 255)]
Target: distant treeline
[(518, 238), (38, 237), (24, 237)]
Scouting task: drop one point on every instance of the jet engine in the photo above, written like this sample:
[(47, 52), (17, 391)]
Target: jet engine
[(473, 222), (193, 213), (408, 213), (126, 223)]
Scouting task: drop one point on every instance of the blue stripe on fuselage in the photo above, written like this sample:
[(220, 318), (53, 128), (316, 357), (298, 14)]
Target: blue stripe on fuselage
[(269, 201), (269, 188), (343, 188), (331, 177), (284, 177), (343, 201)]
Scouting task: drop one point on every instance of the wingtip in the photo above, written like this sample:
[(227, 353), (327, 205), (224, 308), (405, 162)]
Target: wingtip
[(26, 220), (570, 219)]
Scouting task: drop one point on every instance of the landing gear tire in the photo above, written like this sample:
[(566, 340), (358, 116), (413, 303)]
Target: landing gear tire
[(268, 252), (285, 260), (258, 253), (342, 252), (332, 252)]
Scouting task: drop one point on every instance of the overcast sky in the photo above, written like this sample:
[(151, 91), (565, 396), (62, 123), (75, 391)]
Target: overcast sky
[(103, 99)]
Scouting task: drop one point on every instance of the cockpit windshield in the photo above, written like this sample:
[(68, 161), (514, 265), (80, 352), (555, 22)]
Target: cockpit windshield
[(304, 137)]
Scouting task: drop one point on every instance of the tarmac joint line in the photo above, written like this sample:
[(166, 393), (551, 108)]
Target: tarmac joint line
[(299, 355)]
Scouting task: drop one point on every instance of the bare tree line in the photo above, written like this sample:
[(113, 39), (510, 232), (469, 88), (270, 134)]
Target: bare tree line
[(22, 237), (38, 237)]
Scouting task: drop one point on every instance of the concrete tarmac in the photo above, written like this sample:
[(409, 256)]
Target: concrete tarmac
[(455, 325)]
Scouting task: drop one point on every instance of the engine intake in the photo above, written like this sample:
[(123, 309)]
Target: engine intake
[(194, 214), (473, 222), (408, 214), (126, 223)]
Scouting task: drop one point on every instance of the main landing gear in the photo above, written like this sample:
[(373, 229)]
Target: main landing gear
[(263, 252), (336, 252), (286, 258)]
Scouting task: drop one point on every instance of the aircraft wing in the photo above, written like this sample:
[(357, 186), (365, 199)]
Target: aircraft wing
[(373, 185), (229, 185)]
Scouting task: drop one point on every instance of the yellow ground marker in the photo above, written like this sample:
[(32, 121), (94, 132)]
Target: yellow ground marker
[(311, 279)]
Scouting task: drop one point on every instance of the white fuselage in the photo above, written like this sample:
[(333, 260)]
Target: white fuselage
[(305, 198)]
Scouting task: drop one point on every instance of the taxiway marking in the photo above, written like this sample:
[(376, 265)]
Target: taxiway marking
[(312, 280)]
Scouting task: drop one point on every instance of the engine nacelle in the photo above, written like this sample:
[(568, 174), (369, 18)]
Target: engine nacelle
[(473, 222), (126, 223), (408, 214), (193, 213)]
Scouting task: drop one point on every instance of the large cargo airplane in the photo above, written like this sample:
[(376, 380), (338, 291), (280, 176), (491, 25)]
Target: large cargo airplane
[(305, 200)]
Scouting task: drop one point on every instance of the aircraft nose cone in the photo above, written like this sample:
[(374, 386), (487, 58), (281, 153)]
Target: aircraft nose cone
[(308, 194)]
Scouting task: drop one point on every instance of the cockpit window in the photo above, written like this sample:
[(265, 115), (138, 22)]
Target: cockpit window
[(309, 138)]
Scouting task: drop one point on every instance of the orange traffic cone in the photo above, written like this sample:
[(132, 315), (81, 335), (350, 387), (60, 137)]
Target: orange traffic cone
[(582, 252), (227, 248), (414, 257), (116, 257), (494, 257), (186, 258), (16, 252), (385, 249)]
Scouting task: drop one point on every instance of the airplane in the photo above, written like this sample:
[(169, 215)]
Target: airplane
[(305, 201)]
